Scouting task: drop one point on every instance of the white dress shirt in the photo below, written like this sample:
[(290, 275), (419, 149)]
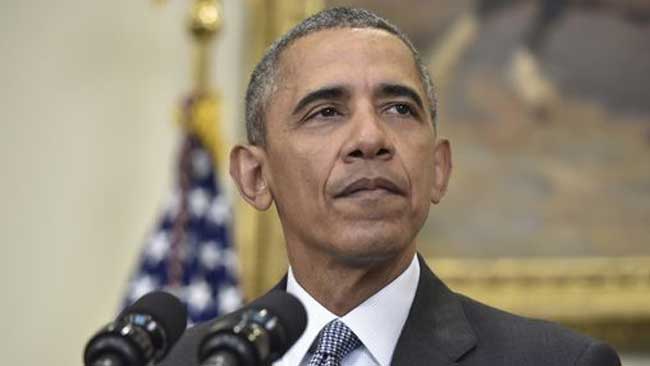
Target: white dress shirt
[(377, 322)]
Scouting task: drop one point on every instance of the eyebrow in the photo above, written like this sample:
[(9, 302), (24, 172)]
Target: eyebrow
[(325, 93), (398, 90)]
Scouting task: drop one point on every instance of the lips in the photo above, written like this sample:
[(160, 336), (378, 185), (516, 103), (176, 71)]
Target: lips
[(368, 185)]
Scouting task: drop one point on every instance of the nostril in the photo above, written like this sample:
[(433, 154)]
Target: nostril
[(356, 154), (383, 151)]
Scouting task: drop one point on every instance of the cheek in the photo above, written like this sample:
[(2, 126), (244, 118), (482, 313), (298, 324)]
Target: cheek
[(313, 161), (297, 184), (419, 165)]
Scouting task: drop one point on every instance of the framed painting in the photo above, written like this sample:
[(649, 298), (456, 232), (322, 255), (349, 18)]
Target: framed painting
[(548, 210)]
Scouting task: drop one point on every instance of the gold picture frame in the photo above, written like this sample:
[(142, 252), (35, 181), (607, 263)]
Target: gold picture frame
[(608, 298)]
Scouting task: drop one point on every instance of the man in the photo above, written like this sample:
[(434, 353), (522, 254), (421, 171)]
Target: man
[(340, 115)]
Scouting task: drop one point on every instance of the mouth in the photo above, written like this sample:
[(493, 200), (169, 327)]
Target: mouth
[(363, 186)]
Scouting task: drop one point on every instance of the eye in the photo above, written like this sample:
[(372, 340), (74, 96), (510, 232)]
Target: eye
[(326, 113), (401, 109)]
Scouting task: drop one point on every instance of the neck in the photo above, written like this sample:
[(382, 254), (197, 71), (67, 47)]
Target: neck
[(341, 285)]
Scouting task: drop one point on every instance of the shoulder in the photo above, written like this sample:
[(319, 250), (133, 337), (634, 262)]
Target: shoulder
[(506, 338)]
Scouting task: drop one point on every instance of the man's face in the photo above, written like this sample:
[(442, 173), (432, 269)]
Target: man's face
[(351, 150)]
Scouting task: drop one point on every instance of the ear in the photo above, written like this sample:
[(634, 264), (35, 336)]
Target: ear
[(442, 170), (246, 163)]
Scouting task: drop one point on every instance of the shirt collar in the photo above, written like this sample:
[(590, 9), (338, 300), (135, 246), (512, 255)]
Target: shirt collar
[(391, 305)]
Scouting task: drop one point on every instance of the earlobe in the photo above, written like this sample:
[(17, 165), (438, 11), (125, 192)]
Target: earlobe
[(442, 170), (246, 163)]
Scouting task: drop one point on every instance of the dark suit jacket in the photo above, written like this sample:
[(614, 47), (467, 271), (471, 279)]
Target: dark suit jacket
[(444, 329)]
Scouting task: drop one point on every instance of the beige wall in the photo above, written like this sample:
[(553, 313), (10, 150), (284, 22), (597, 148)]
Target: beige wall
[(87, 96)]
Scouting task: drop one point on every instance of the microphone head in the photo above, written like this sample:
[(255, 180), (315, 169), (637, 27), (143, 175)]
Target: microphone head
[(258, 334), (167, 310), (143, 332), (289, 310)]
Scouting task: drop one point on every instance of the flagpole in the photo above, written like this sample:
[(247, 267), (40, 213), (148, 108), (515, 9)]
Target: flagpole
[(198, 118), (191, 253), (206, 19)]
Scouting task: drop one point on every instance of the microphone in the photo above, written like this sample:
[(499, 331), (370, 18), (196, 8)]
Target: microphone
[(143, 332), (257, 335)]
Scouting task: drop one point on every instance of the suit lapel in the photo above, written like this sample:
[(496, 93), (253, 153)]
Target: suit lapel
[(436, 331)]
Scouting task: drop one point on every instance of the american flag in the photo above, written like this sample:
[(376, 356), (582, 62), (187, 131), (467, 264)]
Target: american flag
[(191, 253)]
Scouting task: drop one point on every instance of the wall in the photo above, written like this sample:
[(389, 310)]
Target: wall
[(87, 140)]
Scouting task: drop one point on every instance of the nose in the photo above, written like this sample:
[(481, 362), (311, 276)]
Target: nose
[(368, 139)]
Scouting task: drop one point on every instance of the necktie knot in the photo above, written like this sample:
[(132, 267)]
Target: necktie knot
[(335, 341)]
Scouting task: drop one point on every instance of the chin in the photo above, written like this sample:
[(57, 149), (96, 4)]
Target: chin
[(362, 248)]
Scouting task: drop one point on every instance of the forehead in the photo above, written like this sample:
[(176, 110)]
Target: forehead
[(354, 57)]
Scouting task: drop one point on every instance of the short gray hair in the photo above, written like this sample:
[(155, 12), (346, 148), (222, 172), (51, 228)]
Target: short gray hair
[(262, 82)]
